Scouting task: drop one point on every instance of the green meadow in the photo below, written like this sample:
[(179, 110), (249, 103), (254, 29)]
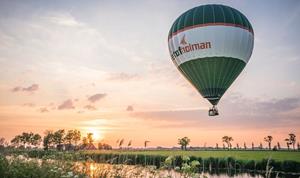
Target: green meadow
[(237, 154)]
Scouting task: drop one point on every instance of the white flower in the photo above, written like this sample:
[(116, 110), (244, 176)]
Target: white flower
[(70, 173)]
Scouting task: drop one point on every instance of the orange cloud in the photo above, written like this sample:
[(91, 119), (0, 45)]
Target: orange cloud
[(90, 107), (43, 109), (68, 104), (129, 108), (29, 104), (32, 88), (96, 97)]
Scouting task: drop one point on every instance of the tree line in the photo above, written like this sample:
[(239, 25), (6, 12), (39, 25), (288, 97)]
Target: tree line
[(70, 139), (227, 143), (60, 140)]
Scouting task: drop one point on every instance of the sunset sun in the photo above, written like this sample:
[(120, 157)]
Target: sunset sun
[(97, 133)]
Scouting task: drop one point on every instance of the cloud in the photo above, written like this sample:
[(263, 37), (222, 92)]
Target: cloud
[(122, 76), (16, 89), (51, 104), (32, 88), (235, 112), (43, 110), (29, 104), (96, 97), (129, 108), (246, 105), (68, 104), (281, 105), (90, 107)]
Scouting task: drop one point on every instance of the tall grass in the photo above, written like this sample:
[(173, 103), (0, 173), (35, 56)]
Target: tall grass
[(230, 165)]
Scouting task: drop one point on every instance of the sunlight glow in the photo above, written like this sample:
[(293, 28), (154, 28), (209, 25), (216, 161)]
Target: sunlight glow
[(97, 133)]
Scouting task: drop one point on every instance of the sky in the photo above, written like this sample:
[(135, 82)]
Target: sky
[(104, 67)]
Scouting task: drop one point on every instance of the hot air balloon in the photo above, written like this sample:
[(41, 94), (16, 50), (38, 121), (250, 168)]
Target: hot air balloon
[(210, 45)]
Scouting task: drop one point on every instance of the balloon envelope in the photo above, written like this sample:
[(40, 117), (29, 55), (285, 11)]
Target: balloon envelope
[(210, 45)]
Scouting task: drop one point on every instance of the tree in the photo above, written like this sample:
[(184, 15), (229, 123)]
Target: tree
[(90, 138), (85, 141), (16, 141), (287, 143), (69, 137), (48, 140), (30, 138), (237, 146), (278, 146), (269, 139), (184, 142), (76, 136), (292, 139), (35, 139), (228, 141), (58, 138), (2, 142), (217, 146), (146, 143), (252, 146), (245, 146), (25, 138), (260, 146), (72, 136)]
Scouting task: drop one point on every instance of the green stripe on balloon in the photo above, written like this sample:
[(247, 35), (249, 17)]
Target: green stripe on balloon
[(209, 14), (212, 76)]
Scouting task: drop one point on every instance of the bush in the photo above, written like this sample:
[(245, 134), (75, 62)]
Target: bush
[(3, 166), (250, 164), (290, 166), (22, 167)]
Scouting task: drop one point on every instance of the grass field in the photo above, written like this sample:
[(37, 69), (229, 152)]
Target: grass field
[(241, 155)]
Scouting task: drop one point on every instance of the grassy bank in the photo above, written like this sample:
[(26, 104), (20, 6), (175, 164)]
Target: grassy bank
[(240, 155)]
